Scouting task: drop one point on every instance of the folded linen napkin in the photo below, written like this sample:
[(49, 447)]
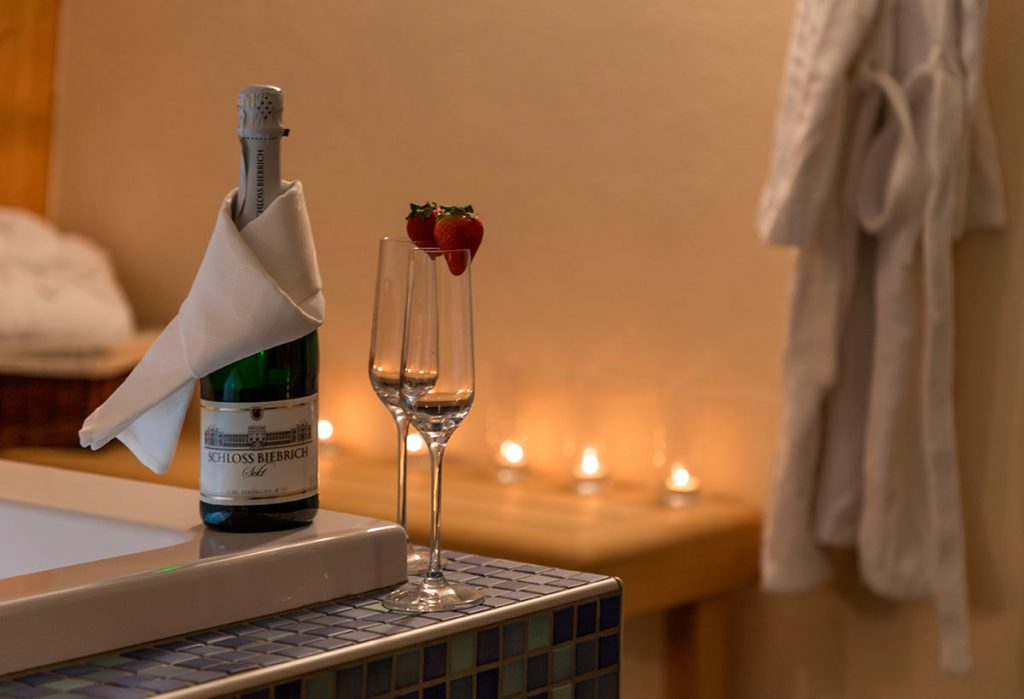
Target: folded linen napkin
[(255, 289)]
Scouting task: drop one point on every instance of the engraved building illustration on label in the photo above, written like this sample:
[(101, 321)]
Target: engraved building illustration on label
[(257, 437)]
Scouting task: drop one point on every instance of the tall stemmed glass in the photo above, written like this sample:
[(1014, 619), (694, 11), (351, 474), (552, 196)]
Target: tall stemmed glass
[(386, 360), (436, 388)]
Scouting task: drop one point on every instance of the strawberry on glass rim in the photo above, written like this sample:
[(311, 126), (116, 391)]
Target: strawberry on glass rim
[(446, 227)]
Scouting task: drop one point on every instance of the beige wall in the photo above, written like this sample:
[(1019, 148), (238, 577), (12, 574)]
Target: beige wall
[(615, 151)]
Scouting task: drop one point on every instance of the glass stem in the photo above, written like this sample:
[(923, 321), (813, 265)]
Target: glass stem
[(402, 427), (436, 457)]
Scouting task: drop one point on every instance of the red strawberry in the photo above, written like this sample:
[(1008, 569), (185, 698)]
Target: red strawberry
[(419, 224), (458, 228)]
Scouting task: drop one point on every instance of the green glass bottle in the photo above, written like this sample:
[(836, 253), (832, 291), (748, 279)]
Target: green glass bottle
[(258, 462)]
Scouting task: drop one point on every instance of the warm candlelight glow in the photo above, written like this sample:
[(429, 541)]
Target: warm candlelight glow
[(511, 453), (680, 476), (590, 465), (324, 430), (415, 444), (681, 488)]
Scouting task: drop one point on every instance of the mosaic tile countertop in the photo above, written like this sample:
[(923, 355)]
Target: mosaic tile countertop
[(540, 633)]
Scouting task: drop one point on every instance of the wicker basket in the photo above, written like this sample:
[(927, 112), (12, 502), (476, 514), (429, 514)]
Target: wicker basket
[(45, 395)]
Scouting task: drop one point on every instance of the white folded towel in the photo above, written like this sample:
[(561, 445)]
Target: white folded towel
[(255, 289), (57, 288)]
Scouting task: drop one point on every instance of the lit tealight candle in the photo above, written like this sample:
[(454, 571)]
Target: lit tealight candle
[(511, 458), (324, 430), (589, 473), (682, 488), (414, 443)]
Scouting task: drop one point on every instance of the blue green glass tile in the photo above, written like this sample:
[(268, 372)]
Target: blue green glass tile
[(586, 656), (103, 691), (76, 670), (608, 651), (461, 688), (331, 643), (376, 605), (317, 687), (208, 637), (198, 676), (538, 631), (164, 671), (378, 677), (296, 639), (136, 680), (462, 653), (302, 615), (561, 629), (512, 585), (537, 671), (297, 651), (562, 692), (264, 648), (435, 661), (107, 675), (517, 595), (567, 583), (608, 686), (611, 612), (415, 622), (40, 678), (407, 668), (235, 668), (263, 693), (513, 640), (443, 616), (541, 589), (385, 629), (585, 689), (206, 651), (138, 665), (200, 663), (327, 631), (487, 646), (586, 619), (357, 613), (237, 642), (436, 691), (25, 692), (497, 602), (561, 663), (161, 685), (288, 690), (298, 627), (357, 624), (512, 678), (360, 636), (67, 684), (487, 684), (348, 683), (268, 660), (510, 574)]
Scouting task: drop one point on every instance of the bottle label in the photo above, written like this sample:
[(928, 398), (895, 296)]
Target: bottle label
[(258, 453)]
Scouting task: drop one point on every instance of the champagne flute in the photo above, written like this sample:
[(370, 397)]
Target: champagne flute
[(436, 389), (386, 361)]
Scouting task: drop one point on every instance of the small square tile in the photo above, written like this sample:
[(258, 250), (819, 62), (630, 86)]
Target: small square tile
[(208, 637), (318, 687), (199, 676), (487, 642), (436, 691), (67, 685), (611, 612), (435, 661), (512, 678), (561, 663), (585, 689), (331, 643), (461, 688), (608, 651), (349, 682), (586, 619), (608, 685), (297, 651), (562, 692), (288, 690), (162, 685), (562, 626), (407, 668), (108, 675), (75, 670), (513, 641), (378, 677), (538, 633), (39, 678), (487, 684), (462, 653), (235, 668), (586, 656), (537, 671)]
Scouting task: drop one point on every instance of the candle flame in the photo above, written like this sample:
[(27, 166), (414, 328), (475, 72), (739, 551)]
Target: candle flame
[(512, 452), (680, 475), (414, 443), (324, 430), (590, 465)]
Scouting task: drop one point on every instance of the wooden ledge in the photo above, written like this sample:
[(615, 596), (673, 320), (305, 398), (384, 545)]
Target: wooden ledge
[(666, 558)]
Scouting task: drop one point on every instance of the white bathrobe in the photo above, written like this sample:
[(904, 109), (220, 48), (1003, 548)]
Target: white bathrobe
[(883, 156)]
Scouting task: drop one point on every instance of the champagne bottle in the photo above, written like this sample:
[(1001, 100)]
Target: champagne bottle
[(258, 462)]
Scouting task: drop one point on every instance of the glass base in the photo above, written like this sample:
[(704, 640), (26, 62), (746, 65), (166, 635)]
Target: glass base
[(418, 562), (432, 595)]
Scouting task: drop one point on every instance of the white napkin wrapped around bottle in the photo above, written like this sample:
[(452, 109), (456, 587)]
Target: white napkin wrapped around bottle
[(255, 289)]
